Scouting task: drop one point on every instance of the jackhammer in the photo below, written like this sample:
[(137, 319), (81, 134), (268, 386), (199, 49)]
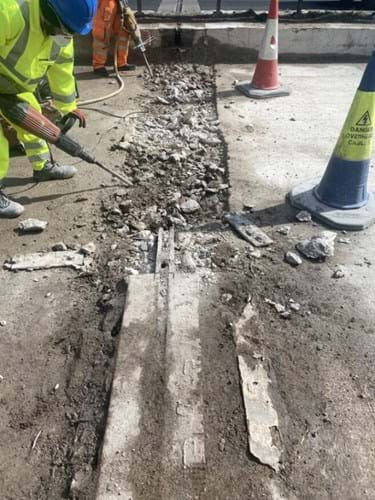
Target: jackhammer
[(25, 116), (130, 25)]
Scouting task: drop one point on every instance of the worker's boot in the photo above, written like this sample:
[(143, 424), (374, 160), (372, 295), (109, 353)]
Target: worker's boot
[(52, 171), (102, 71), (9, 209), (127, 67)]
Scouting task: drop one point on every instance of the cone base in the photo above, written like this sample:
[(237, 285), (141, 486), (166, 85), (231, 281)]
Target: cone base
[(355, 219), (254, 93)]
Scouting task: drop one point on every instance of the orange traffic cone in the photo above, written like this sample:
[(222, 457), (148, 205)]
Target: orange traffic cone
[(265, 82)]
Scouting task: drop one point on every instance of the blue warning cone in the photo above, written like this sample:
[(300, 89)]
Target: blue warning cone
[(341, 198)]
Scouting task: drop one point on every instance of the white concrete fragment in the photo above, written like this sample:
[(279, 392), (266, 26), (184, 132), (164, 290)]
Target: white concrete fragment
[(189, 206), (249, 232), (303, 216), (240, 329), (188, 262), (162, 100), (88, 249), (59, 247), (278, 307), (338, 273), (318, 247), (48, 260), (125, 411), (293, 259), (261, 417), (285, 230), (194, 452), (185, 443), (32, 226)]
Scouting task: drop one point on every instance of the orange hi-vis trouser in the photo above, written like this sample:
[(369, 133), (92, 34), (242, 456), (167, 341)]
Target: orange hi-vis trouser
[(107, 24)]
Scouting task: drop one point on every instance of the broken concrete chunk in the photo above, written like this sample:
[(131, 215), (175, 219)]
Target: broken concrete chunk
[(294, 306), (194, 452), (247, 230), (278, 307), (48, 260), (189, 206), (32, 226), (303, 216), (293, 259), (162, 100), (255, 253), (338, 273), (344, 241), (283, 230), (318, 247), (188, 262), (261, 417), (59, 247), (88, 249), (124, 146)]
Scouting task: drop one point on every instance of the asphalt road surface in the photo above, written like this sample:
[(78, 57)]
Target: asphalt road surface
[(238, 5)]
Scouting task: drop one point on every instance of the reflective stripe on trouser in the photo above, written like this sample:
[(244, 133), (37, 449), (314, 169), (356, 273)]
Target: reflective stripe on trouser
[(107, 24), (36, 149), (4, 154), (123, 49), (100, 53)]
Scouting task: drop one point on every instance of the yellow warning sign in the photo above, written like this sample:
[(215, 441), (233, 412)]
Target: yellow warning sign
[(355, 141)]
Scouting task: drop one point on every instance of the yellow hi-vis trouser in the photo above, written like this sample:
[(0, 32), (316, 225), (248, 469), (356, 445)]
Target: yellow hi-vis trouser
[(37, 150)]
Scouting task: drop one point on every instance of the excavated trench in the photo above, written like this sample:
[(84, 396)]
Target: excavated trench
[(174, 156)]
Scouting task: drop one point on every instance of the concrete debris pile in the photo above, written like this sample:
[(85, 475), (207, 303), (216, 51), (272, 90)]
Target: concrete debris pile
[(175, 159)]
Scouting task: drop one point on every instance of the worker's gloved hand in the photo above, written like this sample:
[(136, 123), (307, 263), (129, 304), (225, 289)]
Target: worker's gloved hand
[(69, 120), (137, 37), (130, 22)]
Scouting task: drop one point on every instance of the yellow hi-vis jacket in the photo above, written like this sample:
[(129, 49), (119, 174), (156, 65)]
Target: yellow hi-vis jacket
[(27, 54)]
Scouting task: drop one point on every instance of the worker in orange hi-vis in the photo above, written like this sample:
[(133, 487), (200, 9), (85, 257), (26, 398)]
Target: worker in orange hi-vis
[(114, 19)]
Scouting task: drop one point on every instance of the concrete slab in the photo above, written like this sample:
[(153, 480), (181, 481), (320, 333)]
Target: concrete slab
[(236, 42), (185, 437), (125, 411)]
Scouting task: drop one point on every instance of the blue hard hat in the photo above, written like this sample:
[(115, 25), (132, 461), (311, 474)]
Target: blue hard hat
[(77, 15)]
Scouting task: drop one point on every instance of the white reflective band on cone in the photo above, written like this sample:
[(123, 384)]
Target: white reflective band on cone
[(267, 51)]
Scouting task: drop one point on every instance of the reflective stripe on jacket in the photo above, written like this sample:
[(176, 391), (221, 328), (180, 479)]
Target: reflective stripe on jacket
[(27, 54)]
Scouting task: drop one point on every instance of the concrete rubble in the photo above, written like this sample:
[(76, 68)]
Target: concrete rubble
[(303, 216), (261, 416), (247, 230), (318, 247), (49, 260), (32, 226), (293, 259), (179, 147)]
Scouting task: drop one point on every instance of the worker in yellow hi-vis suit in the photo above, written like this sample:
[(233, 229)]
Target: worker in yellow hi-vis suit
[(36, 42)]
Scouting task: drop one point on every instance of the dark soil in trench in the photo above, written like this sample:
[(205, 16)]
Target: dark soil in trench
[(65, 426)]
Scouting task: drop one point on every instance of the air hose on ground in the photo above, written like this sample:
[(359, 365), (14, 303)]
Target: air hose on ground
[(112, 94)]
